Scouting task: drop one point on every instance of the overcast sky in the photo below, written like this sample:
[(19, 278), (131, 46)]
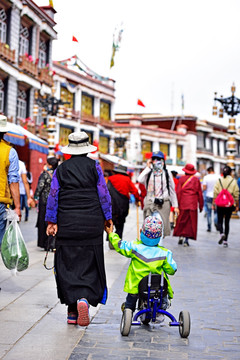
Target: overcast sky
[(168, 48)]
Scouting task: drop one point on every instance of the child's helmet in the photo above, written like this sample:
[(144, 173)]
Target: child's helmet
[(152, 230)]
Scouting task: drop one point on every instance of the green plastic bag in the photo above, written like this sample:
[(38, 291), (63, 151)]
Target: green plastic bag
[(13, 249)]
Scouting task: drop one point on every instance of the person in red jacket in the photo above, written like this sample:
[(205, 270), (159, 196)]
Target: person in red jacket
[(189, 194), (119, 186)]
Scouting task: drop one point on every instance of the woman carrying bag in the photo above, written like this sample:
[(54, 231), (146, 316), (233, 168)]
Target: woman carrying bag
[(229, 184)]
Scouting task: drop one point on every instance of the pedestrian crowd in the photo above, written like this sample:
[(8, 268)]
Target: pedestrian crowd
[(77, 202)]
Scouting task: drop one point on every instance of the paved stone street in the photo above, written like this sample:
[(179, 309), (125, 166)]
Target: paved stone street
[(206, 284), (33, 323)]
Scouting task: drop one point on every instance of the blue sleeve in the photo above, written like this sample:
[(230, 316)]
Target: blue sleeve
[(170, 261), (238, 182), (103, 194), (52, 202), (13, 170)]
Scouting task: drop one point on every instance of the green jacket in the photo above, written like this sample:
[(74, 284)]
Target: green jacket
[(145, 259)]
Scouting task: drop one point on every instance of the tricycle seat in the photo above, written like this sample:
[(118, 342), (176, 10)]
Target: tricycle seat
[(155, 287)]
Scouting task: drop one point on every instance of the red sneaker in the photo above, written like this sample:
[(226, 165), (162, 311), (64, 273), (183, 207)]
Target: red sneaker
[(83, 313), (72, 318)]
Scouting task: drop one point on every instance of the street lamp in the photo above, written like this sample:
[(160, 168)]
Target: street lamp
[(52, 106), (230, 106), (120, 141)]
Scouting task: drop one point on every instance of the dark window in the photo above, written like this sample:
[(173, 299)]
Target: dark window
[(3, 26), (24, 40), (225, 147), (200, 140), (211, 144)]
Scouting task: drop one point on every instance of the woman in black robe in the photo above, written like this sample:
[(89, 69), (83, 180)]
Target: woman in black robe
[(79, 205)]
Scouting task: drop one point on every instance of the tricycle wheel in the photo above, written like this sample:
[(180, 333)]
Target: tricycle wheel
[(126, 322), (185, 324)]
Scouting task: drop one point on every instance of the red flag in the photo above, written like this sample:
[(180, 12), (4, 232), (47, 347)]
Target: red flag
[(74, 39), (139, 102)]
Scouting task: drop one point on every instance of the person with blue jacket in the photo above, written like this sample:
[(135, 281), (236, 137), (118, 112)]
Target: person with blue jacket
[(147, 256)]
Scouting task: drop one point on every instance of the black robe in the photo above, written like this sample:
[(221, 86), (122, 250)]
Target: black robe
[(79, 258)]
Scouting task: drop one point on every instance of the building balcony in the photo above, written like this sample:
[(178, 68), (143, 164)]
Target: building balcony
[(42, 133), (105, 122), (45, 77), (202, 149), (89, 118), (76, 115), (6, 53), (29, 126), (28, 66)]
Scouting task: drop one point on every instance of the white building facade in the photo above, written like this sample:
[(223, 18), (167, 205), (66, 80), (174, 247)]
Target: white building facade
[(26, 35)]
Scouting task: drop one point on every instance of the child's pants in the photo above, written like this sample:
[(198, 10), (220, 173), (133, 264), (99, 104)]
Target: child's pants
[(131, 301)]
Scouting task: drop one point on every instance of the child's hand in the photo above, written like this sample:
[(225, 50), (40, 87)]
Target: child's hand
[(108, 226)]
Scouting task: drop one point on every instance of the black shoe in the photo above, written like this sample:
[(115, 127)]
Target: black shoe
[(186, 243), (180, 241), (26, 219), (208, 230), (223, 237)]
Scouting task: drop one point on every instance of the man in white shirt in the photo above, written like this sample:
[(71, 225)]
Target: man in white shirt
[(24, 189), (208, 183)]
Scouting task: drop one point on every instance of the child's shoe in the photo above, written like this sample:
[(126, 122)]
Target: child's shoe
[(123, 306), (72, 318), (83, 313)]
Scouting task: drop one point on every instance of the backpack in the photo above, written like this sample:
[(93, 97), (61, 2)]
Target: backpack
[(224, 198)]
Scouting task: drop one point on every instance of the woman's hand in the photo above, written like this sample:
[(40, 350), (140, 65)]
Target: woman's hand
[(176, 211), (108, 226), (52, 229)]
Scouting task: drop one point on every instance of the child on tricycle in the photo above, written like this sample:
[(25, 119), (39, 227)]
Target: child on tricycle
[(147, 278)]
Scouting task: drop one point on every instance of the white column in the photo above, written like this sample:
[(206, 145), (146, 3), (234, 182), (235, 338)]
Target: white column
[(173, 153), (51, 134), (57, 86), (111, 145), (78, 100), (155, 146), (189, 150), (134, 152), (112, 113), (96, 107)]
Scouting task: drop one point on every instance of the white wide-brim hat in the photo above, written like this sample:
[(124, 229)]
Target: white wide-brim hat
[(78, 144), (4, 127)]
